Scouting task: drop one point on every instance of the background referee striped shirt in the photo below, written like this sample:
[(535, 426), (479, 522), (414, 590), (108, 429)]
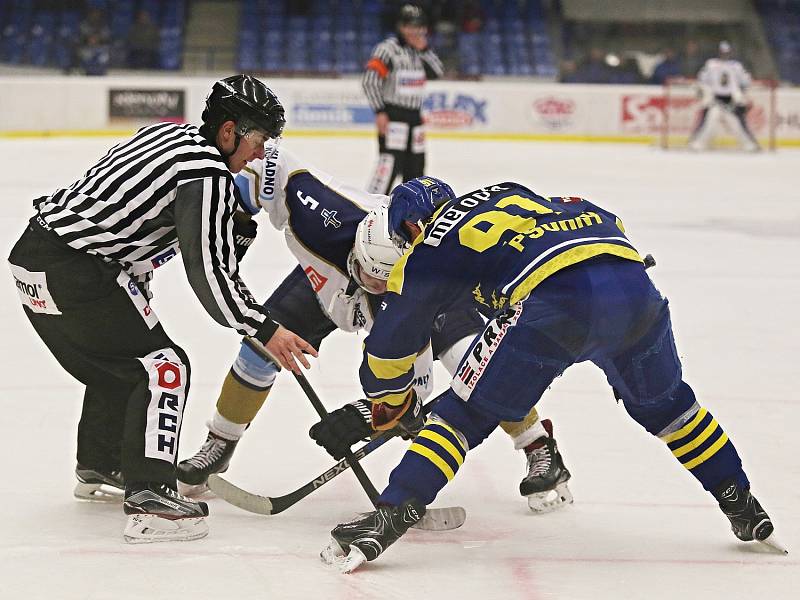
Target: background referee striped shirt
[(165, 190), (396, 75)]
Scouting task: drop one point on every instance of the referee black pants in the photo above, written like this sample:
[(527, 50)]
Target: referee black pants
[(401, 152), (98, 325)]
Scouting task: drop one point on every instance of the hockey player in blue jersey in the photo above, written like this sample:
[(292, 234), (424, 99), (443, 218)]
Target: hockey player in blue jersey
[(340, 238), (560, 284)]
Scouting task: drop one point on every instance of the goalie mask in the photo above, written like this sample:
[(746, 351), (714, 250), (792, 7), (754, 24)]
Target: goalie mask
[(374, 252)]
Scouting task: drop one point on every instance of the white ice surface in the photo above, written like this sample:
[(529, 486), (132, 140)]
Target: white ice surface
[(724, 230)]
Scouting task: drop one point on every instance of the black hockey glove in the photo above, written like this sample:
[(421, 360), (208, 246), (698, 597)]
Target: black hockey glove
[(343, 427), (244, 233), (353, 422)]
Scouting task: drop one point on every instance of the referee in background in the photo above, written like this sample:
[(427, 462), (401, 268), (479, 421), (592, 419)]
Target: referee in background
[(394, 82), (82, 269)]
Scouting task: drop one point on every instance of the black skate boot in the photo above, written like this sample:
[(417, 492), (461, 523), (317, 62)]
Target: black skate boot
[(545, 485), (368, 535), (95, 485), (213, 457), (748, 520), (157, 513)]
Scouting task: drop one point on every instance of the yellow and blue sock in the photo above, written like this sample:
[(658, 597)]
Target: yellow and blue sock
[(702, 446), (430, 462)]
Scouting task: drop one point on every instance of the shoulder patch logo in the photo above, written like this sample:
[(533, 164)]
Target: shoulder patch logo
[(329, 218), (316, 279)]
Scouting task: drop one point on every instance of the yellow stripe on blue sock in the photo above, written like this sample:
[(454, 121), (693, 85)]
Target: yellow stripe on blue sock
[(448, 432), (437, 460), (444, 443), (686, 429), (697, 441), (711, 451)]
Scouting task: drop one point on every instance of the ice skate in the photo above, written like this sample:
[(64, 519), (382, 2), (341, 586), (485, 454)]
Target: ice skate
[(695, 146), (98, 486), (751, 146), (749, 521), (367, 536), (157, 513), (213, 457), (545, 484)]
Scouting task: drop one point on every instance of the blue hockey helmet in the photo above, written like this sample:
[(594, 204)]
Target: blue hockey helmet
[(415, 201)]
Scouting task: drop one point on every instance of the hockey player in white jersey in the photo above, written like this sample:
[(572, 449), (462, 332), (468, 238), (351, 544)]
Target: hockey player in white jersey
[(340, 238), (723, 83)]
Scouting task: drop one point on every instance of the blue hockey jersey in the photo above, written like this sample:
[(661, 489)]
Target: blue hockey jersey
[(490, 248)]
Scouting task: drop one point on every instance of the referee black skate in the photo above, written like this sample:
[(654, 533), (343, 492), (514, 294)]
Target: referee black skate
[(82, 269), (394, 82)]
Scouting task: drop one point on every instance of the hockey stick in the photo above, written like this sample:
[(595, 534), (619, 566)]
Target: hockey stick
[(358, 470), (272, 505), (435, 519)]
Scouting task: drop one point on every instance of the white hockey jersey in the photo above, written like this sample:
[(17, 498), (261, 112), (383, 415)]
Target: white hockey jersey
[(319, 216), (725, 77)]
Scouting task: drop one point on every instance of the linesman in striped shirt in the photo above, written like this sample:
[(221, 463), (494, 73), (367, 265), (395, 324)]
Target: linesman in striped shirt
[(394, 82), (82, 269)]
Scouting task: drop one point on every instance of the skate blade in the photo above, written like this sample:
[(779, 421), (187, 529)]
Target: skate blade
[(545, 502), (773, 544), (442, 519), (334, 556), (192, 491), (97, 492), (331, 552), (145, 529)]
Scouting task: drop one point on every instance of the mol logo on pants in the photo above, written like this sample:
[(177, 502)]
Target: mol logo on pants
[(167, 380)]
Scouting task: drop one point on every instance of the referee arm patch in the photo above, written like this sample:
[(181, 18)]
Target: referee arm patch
[(380, 67)]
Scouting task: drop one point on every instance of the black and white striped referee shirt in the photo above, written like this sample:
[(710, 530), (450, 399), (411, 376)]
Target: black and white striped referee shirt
[(396, 75), (165, 190)]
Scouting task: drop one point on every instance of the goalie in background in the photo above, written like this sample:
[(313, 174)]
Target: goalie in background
[(723, 82)]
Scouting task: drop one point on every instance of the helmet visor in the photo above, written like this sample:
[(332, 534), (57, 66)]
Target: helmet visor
[(257, 138), (368, 283), (254, 133)]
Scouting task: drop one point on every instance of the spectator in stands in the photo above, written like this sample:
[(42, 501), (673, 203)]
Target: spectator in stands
[(568, 71), (472, 17), (692, 60), (594, 69), (668, 68), (93, 46), (143, 42), (626, 72)]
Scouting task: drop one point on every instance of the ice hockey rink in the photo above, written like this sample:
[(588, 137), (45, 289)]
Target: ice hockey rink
[(723, 228)]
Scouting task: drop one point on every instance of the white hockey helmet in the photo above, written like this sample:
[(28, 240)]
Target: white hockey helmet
[(375, 251)]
